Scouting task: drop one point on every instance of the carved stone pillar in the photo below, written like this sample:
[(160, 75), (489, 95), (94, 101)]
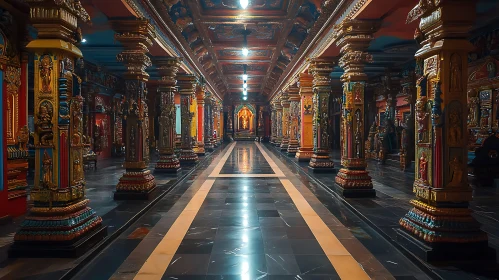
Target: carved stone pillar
[(294, 115), (273, 123), (208, 129), (440, 227), (278, 138), (353, 37), (321, 69), (60, 223), (167, 68), (200, 95), (306, 125), (285, 121), (136, 36), (214, 121), (220, 123), (187, 84)]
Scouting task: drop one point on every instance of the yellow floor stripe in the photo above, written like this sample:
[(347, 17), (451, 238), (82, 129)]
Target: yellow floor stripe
[(343, 262), (155, 266)]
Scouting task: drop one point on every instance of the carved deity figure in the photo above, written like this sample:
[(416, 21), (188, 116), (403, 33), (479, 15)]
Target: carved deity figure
[(472, 113), (455, 131), (23, 138), (455, 65), (44, 125), (422, 119), (456, 172), (260, 118), (423, 168), (46, 74), (47, 175)]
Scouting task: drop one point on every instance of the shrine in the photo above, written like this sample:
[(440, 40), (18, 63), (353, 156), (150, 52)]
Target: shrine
[(249, 139)]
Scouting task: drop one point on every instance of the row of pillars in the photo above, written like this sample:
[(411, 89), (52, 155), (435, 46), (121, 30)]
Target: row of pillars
[(61, 223), (440, 225)]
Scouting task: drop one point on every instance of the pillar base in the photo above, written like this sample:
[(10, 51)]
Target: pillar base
[(200, 151), (208, 146), (135, 184), (60, 224), (188, 157), (292, 147), (355, 183), (277, 143), (446, 252), (320, 162), (284, 145), (167, 164), (304, 154)]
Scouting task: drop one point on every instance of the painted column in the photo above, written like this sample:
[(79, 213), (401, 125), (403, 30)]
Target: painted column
[(214, 121), (306, 125), (285, 121), (60, 215), (187, 85), (278, 138), (294, 115), (208, 129), (136, 37), (321, 70), (220, 122), (272, 123), (167, 68), (440, 226), (194, 123), (353, 37), (200, 95)]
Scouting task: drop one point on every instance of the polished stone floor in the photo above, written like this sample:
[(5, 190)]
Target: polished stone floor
[(245, 214)]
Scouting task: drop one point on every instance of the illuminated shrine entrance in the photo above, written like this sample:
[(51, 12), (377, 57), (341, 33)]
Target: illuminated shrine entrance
[(245, 122)]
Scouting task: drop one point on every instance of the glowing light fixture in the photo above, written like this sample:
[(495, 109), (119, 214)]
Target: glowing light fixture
[(245, 50), (83, 40), (245, 97), (245, 85), (245, 77), (245, 92), (244, 3)]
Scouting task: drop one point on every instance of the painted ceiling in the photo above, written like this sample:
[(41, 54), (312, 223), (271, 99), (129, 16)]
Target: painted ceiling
[(214, 31)]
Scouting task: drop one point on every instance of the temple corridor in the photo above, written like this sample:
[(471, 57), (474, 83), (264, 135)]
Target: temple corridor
[(248, 215)]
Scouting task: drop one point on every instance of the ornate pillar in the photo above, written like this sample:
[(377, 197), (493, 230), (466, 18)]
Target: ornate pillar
[(60, 223), (273, 123), (278, 138), (214, 121), (136, 36), (167, 68), (321, 69), (440, 227), (221, 123), (294, 115), (353, 37), (306, 125), (208, 129), (187, 84), (200, 95), (285, 121)]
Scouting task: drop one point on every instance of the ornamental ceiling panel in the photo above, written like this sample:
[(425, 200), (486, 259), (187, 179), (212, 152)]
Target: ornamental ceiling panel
[(213, 32)]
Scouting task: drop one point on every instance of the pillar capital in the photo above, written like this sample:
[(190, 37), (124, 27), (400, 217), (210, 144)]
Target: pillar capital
[(294, 93), (58, 19), (321, 68), (284, 99), (306, 83), (200, 94), (136, 37), (167, 68), (187, 84), (353, 37)]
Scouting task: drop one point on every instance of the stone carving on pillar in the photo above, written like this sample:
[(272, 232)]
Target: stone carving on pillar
[(208, 124), (167, 68), (136, 36), (321, 69), (187, 85), (60, 223), (306, 113), (278, 138), (353, 37), (200, 95), (294, 115), (440, 227), (285, 121), (214, 122), (273, 122)]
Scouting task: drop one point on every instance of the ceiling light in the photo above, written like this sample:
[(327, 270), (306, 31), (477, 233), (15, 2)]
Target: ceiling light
[(245, 77), (245, 97), (245, 51), (83, 40), (244, 3), (245, 85), (245, 93)]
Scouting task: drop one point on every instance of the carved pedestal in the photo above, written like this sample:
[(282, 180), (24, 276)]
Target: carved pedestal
[(306, 112), (285, 121), (187, 84), (440, 227), (320, 69), (168, 161), (60, 223), (136, 35)]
